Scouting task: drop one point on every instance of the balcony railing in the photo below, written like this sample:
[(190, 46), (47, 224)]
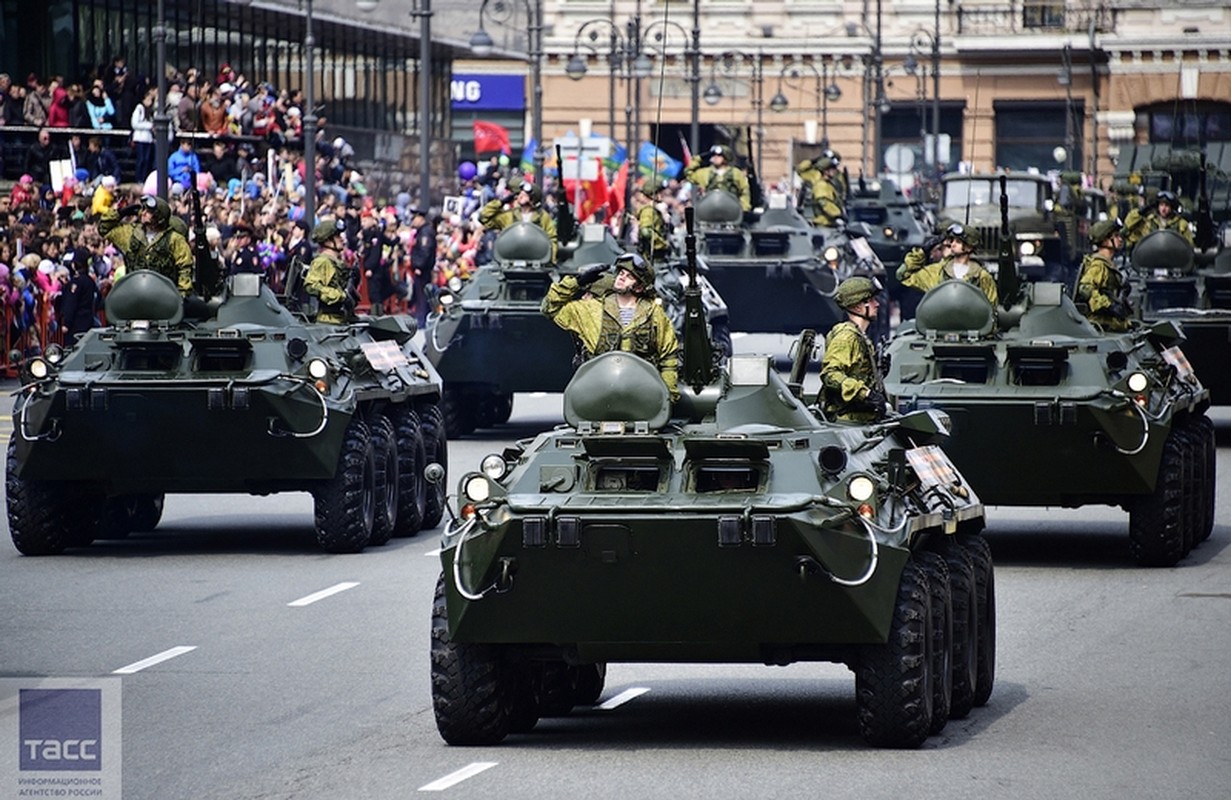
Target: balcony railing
[(1033, 17)]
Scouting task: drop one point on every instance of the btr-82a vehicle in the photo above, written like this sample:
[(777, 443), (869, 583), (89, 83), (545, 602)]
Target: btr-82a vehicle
[(248, 397), (1089, 416), (735, 526)]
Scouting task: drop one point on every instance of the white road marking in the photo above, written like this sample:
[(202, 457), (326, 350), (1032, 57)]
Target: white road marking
[(322, 594), (623, 697), (137, 666), (453, 778)]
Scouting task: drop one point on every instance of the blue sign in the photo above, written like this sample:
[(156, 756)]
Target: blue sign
[(487, 92), (61, 729)]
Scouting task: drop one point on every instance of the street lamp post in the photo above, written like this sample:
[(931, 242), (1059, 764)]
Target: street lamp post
[(918, 41), (728, 61), (501, 13), (309, 121), (827, 90), (161, 119)]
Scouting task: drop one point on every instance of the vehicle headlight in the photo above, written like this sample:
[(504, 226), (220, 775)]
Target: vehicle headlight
[(831, 253), (455, 284), (476, 488), (446, 299), (1138, 382), (888, 232), (317, 368), (860, 488), (39, 368), (493, 466), (1028, 248), (53, 353)]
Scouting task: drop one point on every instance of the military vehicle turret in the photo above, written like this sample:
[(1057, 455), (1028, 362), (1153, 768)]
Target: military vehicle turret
[(1169, 286), (772, 265), (736, 526), (1089, 417), (248, 398)]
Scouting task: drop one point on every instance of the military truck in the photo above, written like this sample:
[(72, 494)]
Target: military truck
[(1047, 241), (753, 531), (244, 397), (771, 264), (1088, 416)]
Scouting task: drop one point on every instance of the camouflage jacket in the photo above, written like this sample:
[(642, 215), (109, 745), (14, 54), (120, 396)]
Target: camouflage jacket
[(848, 375), (1137, 228), (495, 217), (328, 278), (827, 204), (915, 274), (166, 252), (1100, 284), (652, 234), (732, 179), (596, 322)]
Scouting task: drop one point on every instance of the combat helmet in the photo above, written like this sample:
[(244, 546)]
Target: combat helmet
[(964, 233), (1103, 230), (855, 290), (535, 193), (160, 207), (640, 269), (651, 187), (326, 229)]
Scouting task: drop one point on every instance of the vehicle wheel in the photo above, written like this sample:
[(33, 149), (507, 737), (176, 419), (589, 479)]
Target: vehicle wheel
[(436, 450), (412, 486), (145, 511), (387, 454), (36, 521), (557, 688), (459, 417), (963, 593), (1208, 453), (502, 405), (893, 681), (115, 518), (523, 699), (346, 504), (1190, 498), (591, 680), (469, 695), (1156, 522), (937, 570), (985, 593)]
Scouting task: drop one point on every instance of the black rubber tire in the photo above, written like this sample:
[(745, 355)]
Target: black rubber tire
[(1156, 521), (963, 590), (1190, 492), (502, 407), (937, 570), (115, 518), (893, 681), (985, 590), (387, 455), (470, 685), (557, 688), (412, 458), (36, 511), (458, 413), (346, 504), (1208, 453), (591, 680), (436, 449), (523, 698), (145, 511)]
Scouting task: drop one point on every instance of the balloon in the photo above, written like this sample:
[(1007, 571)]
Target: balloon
[(466, 170), (205, 181)]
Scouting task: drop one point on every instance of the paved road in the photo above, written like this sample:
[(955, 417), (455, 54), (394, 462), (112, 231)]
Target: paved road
[(1112, 680)]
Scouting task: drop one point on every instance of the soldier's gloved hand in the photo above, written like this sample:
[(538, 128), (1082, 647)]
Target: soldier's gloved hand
[(876, 400), (130, 210), (931, 243), (1120, 308), (590, 274)]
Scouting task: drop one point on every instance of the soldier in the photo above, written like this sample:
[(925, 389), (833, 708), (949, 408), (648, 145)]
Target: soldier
[(827, 199), (626, 319), (851, 388), (1165, 216), (711, 171), (329, 278), (151, 242), (525, 206), (653, 232), (1102, 289), (1142, 202), (959, 243)]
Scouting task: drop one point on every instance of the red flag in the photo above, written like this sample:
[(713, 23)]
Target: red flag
[(491, 138), (615, 195), (587, 196), (684, 147)]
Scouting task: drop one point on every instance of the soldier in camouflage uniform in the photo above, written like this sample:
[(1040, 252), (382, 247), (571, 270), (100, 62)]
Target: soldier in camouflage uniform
[(827, 198), (329, 278), (525, 206), (626, 319), (653, 233), (1102, 288), (150, 242), (1165, 216), (711, 171), (851, 387), (959, 243)]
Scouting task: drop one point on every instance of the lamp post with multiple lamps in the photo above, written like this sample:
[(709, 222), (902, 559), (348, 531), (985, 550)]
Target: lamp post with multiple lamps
[(727, 64), (162, 120), (913, 66), (503, 12), (874, 101), (827, 90)]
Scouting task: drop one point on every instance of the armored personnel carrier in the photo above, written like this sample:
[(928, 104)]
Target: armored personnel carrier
[(247, 398), (1088, 416), (1169, 286), (773, 265), (490, 339), (639, 531)]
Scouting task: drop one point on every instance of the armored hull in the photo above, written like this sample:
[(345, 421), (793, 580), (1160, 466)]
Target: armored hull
[(251, 399), (1048, 410), (750, 530)]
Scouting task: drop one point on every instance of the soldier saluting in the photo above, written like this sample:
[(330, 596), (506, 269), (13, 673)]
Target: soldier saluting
[(525, 206), (711, 171), (150, 242)]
